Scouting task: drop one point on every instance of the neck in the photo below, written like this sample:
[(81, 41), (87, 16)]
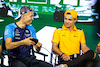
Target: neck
[(21, 24), (70, 28)]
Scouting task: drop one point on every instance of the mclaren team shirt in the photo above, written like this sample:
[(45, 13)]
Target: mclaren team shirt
[(69, 42)]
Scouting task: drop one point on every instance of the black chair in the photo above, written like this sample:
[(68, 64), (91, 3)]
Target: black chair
[(4, 52)]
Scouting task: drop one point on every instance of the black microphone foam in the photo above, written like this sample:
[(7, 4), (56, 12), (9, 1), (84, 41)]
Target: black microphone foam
[(35, 40)]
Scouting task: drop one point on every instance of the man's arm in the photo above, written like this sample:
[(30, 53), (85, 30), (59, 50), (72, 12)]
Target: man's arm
[(11, 45), (85, 49), (56, 49), (59, 52)]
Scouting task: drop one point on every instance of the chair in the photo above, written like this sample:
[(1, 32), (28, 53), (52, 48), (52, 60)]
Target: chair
[(4, 52), (38, 52), (56, 58)]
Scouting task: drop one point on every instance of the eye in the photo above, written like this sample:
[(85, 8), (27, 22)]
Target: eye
[(70, 19), (65, 18)]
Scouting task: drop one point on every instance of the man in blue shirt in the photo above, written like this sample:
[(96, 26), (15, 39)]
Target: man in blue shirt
[(18, 41)]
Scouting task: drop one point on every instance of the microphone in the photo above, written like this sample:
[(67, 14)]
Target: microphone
[(35, 40)]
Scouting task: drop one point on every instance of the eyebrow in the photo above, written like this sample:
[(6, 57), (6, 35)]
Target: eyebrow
[(68, 19)]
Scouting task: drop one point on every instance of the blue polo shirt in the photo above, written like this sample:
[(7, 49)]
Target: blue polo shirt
[(17, 34)]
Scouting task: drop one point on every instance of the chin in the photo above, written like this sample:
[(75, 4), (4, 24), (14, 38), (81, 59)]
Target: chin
[(67, 26), (29, 24)]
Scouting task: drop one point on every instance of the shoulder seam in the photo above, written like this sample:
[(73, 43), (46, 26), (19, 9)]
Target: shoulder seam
[(79, 29), (59, 28)]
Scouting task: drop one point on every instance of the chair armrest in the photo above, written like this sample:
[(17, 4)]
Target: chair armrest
[(4, 53), (41, 53)]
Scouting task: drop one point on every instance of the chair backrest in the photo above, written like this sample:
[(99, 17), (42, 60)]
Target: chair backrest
[(3, 52), (3, 48), (3, 44)]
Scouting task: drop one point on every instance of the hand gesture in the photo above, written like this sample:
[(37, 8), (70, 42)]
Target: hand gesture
[(38, 44), (28, 42), (65, 57)]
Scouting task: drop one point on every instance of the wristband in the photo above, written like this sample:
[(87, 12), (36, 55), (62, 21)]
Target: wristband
[(99, 44), (61, 55)]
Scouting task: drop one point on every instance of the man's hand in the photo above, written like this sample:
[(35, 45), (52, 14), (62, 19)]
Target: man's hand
[(28, 42), (38, 46), (65, 57)]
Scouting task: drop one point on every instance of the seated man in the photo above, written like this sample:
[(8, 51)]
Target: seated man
[(70, 39), (18, 41), (98, 48)]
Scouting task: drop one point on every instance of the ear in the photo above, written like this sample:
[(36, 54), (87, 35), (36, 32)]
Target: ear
[(75, 20), (22, 15)]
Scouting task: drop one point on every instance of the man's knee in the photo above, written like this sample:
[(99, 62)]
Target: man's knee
[(89, 54), (45, 64)]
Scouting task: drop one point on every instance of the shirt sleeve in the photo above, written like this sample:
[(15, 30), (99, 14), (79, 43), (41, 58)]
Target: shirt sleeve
[(56, 36), (33, 34), (82, 37), (8, 33)]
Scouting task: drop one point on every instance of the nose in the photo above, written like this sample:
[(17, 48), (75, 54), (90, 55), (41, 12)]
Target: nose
[(66, 20)]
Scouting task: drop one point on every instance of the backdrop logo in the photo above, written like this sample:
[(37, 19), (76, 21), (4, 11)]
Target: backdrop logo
[(31, 1), (37, 1)]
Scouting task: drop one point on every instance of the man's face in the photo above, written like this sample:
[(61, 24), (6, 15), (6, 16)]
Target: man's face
[(28, 17), (69, 22)]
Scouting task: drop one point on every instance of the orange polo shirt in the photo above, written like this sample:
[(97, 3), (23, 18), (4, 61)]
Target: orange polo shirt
[(69, 42)]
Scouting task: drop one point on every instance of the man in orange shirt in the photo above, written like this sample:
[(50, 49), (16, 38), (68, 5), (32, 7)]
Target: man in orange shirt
[(98, 48), (70, 39)]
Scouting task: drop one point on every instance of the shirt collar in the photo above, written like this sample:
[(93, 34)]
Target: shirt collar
[(67, 28)]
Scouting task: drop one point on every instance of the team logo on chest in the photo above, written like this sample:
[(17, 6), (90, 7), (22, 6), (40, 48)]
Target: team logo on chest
[(17, 34), (27, 33)]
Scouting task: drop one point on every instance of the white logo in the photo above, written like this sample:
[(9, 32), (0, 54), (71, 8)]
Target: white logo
[(27, 35), (17, 31), (26, 31), (17, 34), (17, 37)]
